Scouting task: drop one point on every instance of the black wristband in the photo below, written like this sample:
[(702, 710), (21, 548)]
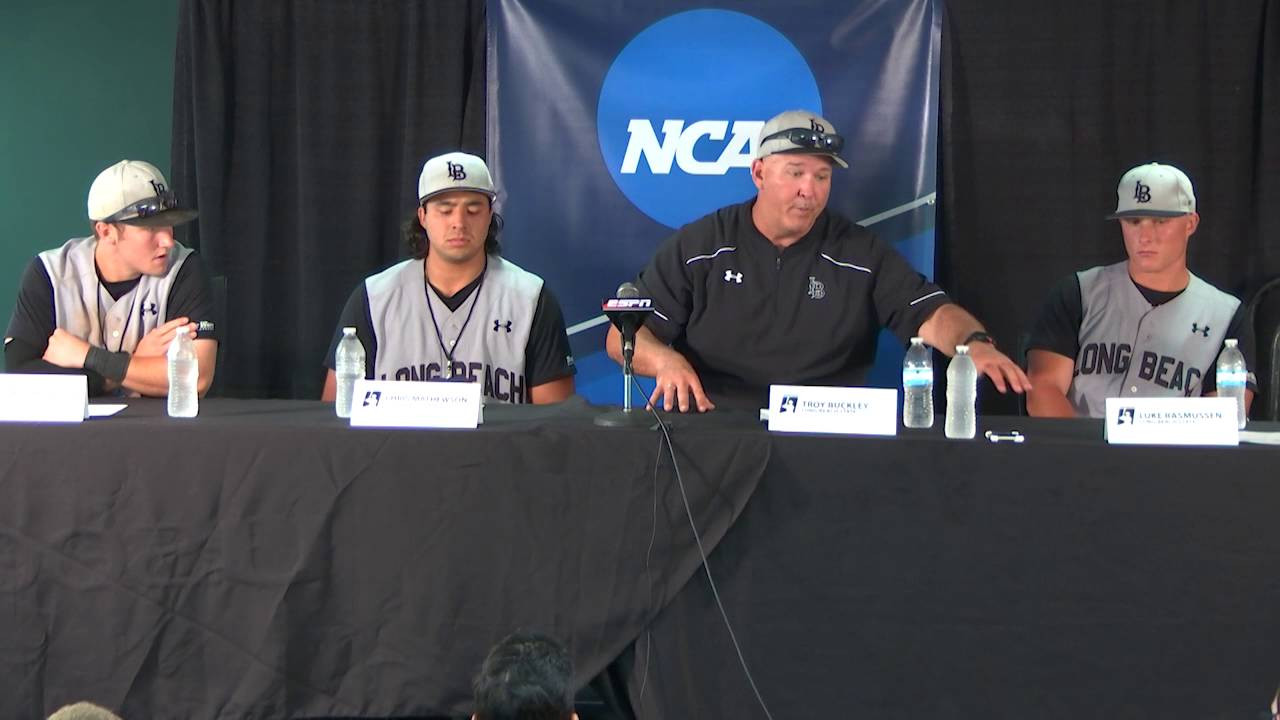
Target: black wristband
[(979, 336), (110, 365)]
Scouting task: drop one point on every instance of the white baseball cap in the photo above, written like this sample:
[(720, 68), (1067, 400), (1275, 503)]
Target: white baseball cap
[(800, 132), (454, 171), (134, 192), (1154, 190)]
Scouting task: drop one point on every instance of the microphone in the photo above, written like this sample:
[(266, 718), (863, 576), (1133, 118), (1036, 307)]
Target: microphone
[(627, 311)]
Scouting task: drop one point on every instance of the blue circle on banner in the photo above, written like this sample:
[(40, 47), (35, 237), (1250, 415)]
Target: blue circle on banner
[(683, 103)]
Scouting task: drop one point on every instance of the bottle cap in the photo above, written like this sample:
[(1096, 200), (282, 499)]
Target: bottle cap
[(348, 331), (962, 349), (1231, 342), (917, 340)]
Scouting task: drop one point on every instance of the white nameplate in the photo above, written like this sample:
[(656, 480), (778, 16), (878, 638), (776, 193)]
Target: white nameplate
[(843, 410), (1172, 421), (398, 403), (43, 398)]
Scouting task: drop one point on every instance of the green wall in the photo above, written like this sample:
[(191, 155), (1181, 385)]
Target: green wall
[(83, 83)]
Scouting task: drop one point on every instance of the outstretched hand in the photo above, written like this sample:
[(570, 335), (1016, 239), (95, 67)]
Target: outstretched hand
[(679, 387), (1004, 373)]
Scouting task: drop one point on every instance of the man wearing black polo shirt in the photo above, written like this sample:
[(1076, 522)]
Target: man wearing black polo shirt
[(780, 290)]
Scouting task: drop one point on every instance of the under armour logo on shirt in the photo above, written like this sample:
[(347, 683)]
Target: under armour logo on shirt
[(1195, 328), (1141, 193), (149, 308), (731, 276), (456, 171), (498, 325)]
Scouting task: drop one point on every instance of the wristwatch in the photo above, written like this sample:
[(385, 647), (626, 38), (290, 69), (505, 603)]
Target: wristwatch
[(979, 336)]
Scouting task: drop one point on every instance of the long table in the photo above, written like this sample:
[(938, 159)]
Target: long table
[(264, 560), (915, 577)]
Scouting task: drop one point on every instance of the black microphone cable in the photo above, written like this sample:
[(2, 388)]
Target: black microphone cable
[(648, 570), (702, 553)]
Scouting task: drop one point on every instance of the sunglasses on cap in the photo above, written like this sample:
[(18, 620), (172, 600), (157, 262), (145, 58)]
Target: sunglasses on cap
[(824, 142), (145, 208)]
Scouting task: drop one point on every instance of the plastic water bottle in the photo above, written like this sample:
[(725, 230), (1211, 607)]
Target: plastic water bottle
[(1233, 375), (350, 367), (962, 394), (184, 372), (917, 385)]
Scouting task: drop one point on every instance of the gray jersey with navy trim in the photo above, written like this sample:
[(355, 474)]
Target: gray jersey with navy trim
[(82, 306), (489, 348), (1130, 349)]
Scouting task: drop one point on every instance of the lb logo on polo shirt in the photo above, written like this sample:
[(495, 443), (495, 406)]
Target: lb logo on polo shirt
[(682, 105)]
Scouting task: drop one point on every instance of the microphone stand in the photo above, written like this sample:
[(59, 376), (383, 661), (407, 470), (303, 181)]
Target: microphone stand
[(626, 417), (628, 352)]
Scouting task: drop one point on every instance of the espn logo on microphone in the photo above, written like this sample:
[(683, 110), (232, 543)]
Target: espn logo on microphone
[(627, 304)]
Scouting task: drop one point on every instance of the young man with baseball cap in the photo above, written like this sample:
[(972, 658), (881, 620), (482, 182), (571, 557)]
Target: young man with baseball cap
[(1143, 327), (457, 310), (108, 305), (779, 289)]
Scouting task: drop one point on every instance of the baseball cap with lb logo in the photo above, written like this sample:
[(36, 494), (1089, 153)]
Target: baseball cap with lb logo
[(134, 192), (800, 132), (1154, 190), (454, 171)]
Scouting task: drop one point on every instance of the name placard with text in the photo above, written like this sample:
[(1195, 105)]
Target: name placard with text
[(43, 398), (405, 404), (839, 410), (1172, 421)]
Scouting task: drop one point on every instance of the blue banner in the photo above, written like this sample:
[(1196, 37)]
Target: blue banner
[(611, 124)]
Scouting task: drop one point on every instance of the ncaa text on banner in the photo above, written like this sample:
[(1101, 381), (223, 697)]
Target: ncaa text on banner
[(682, 105)]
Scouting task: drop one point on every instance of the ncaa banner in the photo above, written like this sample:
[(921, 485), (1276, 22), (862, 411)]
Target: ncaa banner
[(612, 124)]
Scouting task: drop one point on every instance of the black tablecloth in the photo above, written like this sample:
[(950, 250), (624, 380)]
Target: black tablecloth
[(263, 560), (915, 577)]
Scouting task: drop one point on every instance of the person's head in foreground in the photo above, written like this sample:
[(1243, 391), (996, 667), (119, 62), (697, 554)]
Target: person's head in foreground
[(83, 711), (526, 676)]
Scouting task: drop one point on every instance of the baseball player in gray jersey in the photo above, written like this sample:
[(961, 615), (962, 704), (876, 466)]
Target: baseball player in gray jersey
[(1145, 327), (457, 311), (107, 306)]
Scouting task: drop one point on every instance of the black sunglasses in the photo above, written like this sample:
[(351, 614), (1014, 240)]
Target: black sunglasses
[(826, 142), (145, 208)]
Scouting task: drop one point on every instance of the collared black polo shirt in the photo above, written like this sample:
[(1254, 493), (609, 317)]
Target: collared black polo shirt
[(747, 315)]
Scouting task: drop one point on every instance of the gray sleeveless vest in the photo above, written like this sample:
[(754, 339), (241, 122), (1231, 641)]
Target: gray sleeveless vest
[(490, 349), (1130, 349), (85, 309)]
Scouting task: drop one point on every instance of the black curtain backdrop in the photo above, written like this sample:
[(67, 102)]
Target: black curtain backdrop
[(300, 128), (1044, 105)]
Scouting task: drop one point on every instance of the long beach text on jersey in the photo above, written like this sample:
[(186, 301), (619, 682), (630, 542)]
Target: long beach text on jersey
[(1115, 358), (499, 383), (679, 142)]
